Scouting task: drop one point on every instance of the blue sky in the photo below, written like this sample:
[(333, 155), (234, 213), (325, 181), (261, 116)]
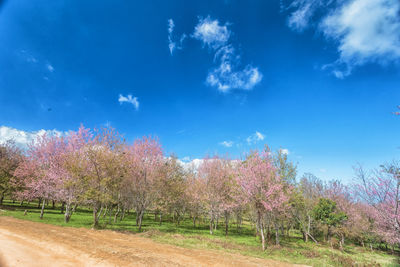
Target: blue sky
[(319, 79)]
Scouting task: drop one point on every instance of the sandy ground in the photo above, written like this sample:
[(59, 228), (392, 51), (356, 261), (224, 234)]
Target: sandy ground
[(24, 243)]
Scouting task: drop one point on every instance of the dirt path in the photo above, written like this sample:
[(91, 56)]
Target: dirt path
[(24, 243)]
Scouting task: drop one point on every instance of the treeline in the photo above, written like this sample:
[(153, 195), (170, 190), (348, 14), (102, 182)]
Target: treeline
[(98, 169)]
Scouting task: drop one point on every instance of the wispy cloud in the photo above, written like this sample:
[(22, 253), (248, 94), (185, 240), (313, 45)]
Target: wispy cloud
[(300, 18), (172, 45), (228, 72), (49, 67), (23, 138), (365, 31), (211, 33), (254, 138), (229, 76), (129, 99), (226, 143)]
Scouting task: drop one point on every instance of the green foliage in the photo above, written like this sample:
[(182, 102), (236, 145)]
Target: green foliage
[(325, 212), (286, 169)]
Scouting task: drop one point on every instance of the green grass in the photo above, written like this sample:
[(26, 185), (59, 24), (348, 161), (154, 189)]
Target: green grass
[(243, 241)]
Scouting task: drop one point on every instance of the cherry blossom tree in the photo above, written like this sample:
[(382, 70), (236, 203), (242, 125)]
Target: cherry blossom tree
[(381, 190), (143, 164), (262, 188), (220, 189), (194, 196), (38, 174), (171, 189)]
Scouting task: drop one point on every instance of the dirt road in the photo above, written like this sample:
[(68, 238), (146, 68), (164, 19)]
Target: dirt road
[(24, 243)]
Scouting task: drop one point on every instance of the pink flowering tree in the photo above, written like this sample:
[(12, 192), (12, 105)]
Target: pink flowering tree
[(38, 174), (262, 188), (220, 189), (381, 190), (143, 164), (74, 167), (194, 196)]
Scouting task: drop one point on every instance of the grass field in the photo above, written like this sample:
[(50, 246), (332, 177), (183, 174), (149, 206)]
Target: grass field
[(243, 241)]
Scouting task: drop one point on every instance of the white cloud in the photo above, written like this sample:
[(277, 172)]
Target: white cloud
[(254, 138), (23, 138), (226, 143), (211, 33), (365, 31), (192, 164), (129, 99), (49, 67), (299, 19), (228, 72), (285, 151), (225, 77), (185, 159), (172, 45)]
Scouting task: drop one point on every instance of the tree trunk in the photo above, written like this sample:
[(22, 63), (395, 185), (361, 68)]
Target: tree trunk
[(194, 221), (62, 207), (260, 227), (276, 234), (308, 227), (123, 214), (53, 204), (1, 198), (140, 220), (105, 212), (160, 218), (67, 215), (95, 216), (40, 200), (262, 236), (22, 203), (42, 211), (226, 223), (109, 214), (137, 216), (211, 225), (116, 214)]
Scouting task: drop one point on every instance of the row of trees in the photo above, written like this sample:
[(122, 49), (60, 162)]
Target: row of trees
[(99, 170)]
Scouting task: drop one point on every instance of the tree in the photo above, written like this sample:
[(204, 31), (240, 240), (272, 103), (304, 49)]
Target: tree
[(38, 174), (381, 190), (285, 169), (73, 171), (220, 189), (194, 193), (143, 165), (171, 187), (309, 190), (97, 166), (262, 188), (10, 158), (326, 213)]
